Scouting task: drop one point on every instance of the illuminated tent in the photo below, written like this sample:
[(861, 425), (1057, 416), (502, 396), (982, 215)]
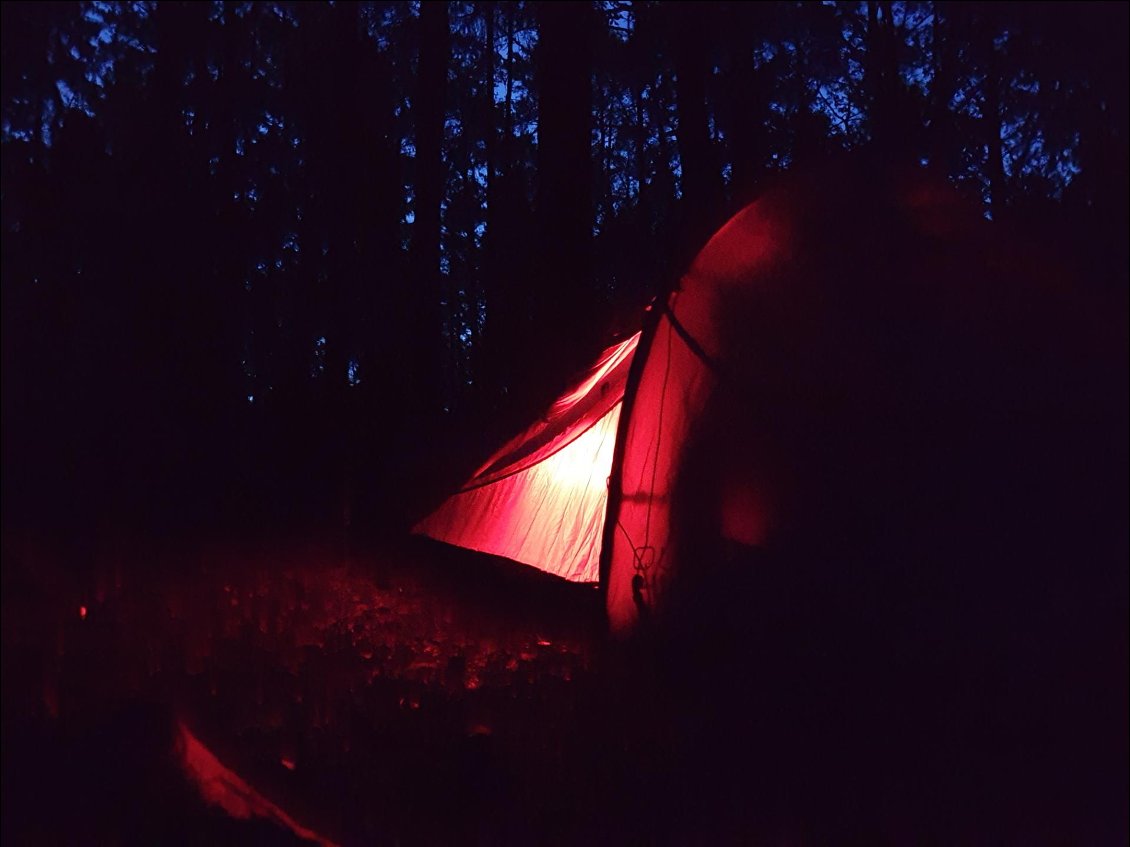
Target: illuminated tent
[(585, 492), (760, 381)]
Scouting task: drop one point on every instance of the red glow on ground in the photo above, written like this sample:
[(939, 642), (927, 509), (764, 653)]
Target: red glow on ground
[(82, 612), (221, 787), (287, 763)]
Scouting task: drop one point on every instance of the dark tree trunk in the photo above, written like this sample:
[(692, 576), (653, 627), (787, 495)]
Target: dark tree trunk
[(701, 180), (430, 109), (506, 312), (882, 81), (943, 146), (994, 163), (508, 116), (745, 101), (490, 153), (487, 364), (565, 201)]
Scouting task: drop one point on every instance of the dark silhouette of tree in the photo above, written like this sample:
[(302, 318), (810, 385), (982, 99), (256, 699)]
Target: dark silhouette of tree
[(690, 27), (564, 196), (430, 110), (882, 77), (943, 147), (992, 113), (744, 107)]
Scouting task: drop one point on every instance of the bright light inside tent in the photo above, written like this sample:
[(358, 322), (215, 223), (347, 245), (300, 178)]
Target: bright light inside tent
[(587, 462), (549, 515), (613, 358), (541, 499)]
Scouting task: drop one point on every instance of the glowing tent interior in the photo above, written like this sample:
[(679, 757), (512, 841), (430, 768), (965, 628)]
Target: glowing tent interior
[(541, 499)]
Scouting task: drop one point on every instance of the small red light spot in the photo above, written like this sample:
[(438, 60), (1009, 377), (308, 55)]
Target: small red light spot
[(287, 763), (544, 643), (82, 612)]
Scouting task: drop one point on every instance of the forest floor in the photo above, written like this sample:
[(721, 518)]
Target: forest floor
[(289, 693), (374, 700)]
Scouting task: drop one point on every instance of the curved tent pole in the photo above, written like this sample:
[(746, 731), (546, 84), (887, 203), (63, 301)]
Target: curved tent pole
[(615, 476)]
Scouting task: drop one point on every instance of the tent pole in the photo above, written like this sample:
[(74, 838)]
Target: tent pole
[(651, 320)]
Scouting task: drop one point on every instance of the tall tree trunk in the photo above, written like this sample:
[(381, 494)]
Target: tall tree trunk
[(486, 370), (746, 101), (491, 136), (998, 189), (701, 179), (882, 80), (508, 117), (565, 198), (430, 108), (944, 152), (506, 312), (640, 138)]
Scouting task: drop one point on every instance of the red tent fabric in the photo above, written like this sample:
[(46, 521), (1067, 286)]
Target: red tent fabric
[(676, 382)]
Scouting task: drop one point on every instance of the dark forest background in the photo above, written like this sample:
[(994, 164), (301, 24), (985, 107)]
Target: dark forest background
[(274, 263)]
